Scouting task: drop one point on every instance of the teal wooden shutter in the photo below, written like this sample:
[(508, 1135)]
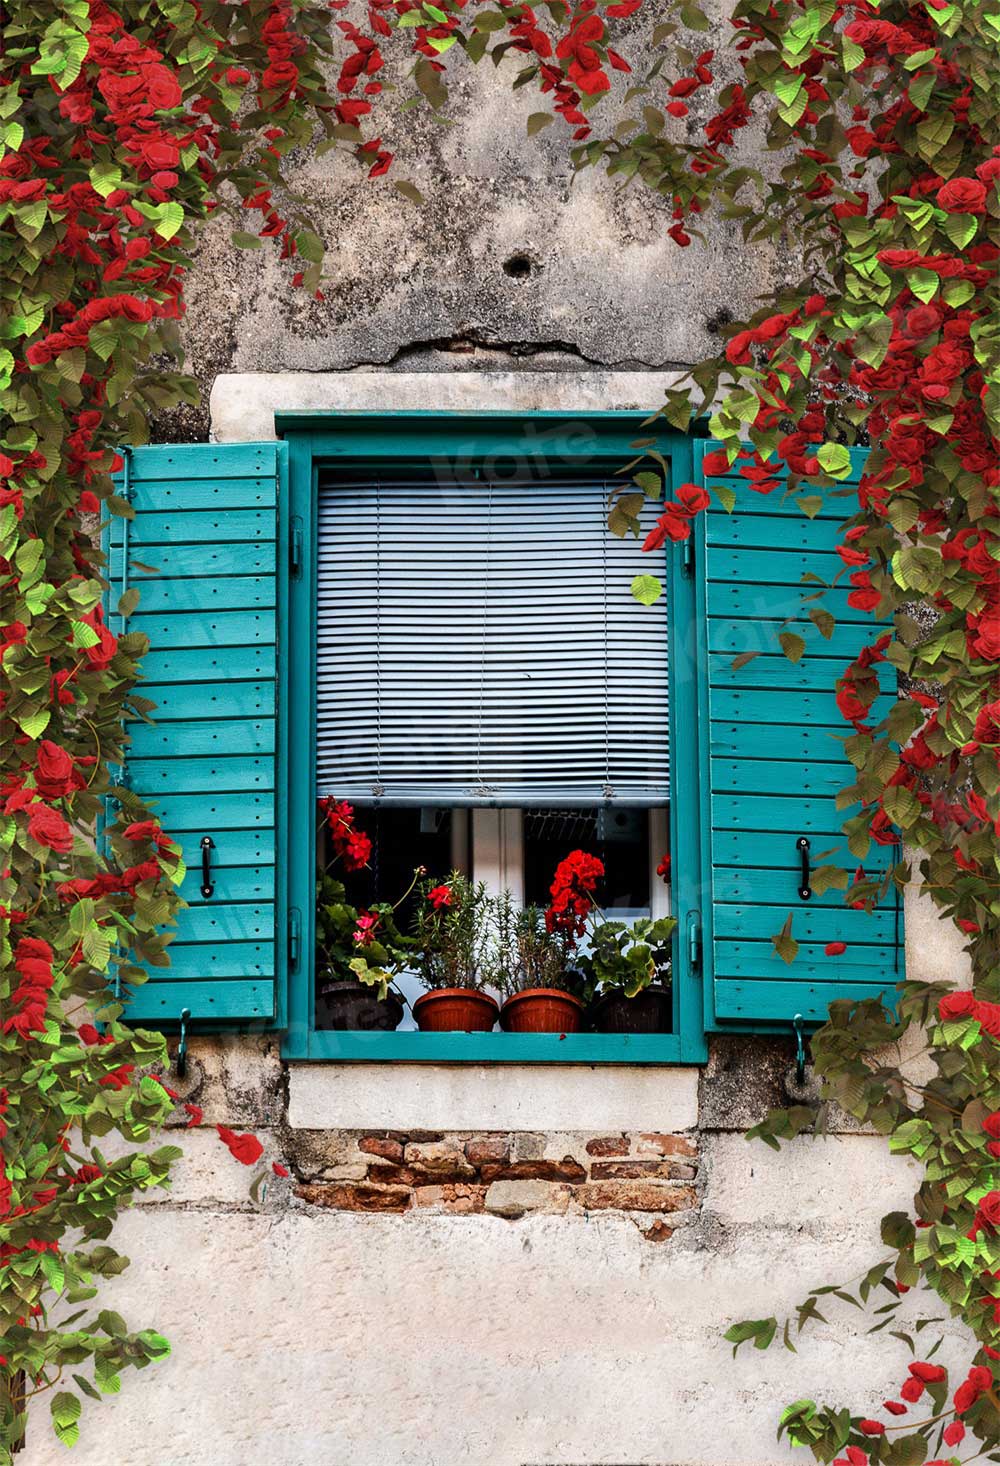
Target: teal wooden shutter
[(771, 767), (206, 523)]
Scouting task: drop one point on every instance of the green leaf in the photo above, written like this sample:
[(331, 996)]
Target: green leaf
[(823, 621), (242, 240), (408, 190), (646, 589), (310, 246), (169, 219), (785, 944), (961, 229), (66, 1410), (537, 121), (33, 721), (84, 636), (834, 459), (792, 645)]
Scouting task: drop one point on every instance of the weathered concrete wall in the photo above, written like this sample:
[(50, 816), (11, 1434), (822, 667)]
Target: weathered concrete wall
[(513, 262), (509, 1266)]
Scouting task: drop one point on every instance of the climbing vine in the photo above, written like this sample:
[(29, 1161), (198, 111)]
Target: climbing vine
[(124, 129)]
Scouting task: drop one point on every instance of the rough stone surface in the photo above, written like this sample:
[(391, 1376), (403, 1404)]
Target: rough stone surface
[(742, 1080), (513, 1198), (237, 1080)]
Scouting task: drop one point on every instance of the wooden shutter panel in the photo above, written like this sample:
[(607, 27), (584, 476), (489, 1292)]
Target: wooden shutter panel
[(206, 522), (772, 768)]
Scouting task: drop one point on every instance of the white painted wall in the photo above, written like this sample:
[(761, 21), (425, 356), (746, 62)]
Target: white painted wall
[(327, 1338)]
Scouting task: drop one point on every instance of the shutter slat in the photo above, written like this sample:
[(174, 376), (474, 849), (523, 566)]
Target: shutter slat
[(207, 525), (776, 764), (481, 643)]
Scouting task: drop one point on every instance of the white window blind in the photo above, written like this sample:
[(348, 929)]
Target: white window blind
[(478, 643)]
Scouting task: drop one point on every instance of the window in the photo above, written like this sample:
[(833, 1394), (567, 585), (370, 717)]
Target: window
[(276, 671), (490, 696)]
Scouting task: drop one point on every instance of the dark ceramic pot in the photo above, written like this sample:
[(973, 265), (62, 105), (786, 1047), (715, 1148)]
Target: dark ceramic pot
[(650, 1011), (352, 1005), (455, 1010)]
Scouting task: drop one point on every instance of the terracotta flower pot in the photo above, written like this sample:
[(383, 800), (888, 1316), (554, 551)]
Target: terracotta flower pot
[(355, 1006), (542, 1010), (650, 1011), (455, 1010)]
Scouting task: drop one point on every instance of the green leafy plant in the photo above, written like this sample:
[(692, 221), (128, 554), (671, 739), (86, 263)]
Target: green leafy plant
[(455, 935), (531, 955), (627, 956)]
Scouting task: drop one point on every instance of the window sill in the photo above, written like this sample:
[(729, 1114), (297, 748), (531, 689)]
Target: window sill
[(491, 1048), (447, 1097)]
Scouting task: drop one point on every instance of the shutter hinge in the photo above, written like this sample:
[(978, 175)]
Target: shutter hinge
[(294, 939), (295, 548), (687, 547), (694, 942)]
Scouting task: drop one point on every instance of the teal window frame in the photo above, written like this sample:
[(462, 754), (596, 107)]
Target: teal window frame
[(318, 440)]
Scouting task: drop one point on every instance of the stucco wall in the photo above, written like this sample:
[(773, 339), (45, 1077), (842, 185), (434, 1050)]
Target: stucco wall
[(510, 1303)]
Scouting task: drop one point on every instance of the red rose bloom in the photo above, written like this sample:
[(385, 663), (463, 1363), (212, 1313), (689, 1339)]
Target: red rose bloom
[(955, 1005), (931, 1374), (962, 196), (54, 772), (48, 828)]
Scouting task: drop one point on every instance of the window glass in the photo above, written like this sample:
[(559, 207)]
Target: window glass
[(617, 836)]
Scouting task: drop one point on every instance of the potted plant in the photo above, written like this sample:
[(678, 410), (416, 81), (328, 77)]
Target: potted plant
[(541, 990), (359, 953), (627, 971), (456, 957)]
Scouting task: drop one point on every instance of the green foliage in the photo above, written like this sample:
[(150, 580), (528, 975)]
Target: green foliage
[(628, 956)]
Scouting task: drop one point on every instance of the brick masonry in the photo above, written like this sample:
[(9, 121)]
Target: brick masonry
[(652, 1177)]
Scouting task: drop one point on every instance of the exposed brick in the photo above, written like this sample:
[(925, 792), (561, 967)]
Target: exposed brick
[(356, 1198), (641, 1170), (512, 1199), (633, 1196), (444, 1159), (487, 1148), (529, 1146), (381, 1145), (418, 1137), (665, 1145), (658, 1232), (453, 1198), (608, 1145), (565, 1170)]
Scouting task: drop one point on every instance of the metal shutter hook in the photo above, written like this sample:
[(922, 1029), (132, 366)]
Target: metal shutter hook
[(181, 1063), (800, 1051)]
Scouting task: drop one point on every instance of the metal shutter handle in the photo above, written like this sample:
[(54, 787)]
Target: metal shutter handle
[(207, 884), (805, 889)]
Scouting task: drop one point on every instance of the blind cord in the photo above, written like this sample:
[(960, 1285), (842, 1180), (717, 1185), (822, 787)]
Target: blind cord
[(604, 532), (378, 788), (480, 787)]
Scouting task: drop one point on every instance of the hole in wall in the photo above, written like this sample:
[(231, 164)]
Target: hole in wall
[(519, 267), (723, 317)]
